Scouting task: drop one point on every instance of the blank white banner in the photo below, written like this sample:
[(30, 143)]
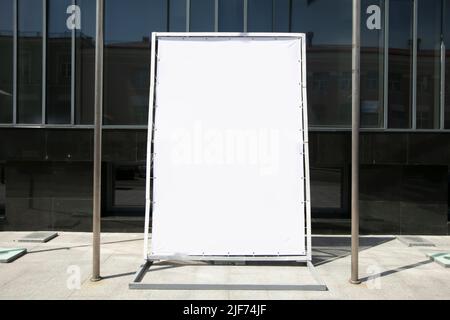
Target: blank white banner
[(228, 146)]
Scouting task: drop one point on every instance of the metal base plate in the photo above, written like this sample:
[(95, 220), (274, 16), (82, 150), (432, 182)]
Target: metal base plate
[(137, 283), (40, 236), (8, 255)]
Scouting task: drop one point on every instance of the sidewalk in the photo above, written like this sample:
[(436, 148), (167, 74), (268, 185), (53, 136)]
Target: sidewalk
[(60, 269)]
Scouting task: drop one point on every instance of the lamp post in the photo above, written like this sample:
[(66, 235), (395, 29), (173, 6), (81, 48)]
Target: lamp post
[(98, 114), (356, 44)]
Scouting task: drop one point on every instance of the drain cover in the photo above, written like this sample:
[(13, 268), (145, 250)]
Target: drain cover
[(416, 242), (39, 236), (10, 254)]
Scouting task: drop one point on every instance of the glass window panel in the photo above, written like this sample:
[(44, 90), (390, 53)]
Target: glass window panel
[(2, 190), (448, 192), (85, 63), (202, 14), (329, 60), (372, 63), (177, 15), (446, 29), (6, 61), (428, 63), (128, 28), (231, 15), (129, 186), (326, 188), (259, 16), (400, 63), (281, 15), (29, 66), (59, 63)]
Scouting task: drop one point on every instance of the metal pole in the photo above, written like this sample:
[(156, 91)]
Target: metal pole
[(97, 143), (356, 44)]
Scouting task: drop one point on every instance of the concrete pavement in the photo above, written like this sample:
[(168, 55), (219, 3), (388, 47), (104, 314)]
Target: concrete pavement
[(60, 269)]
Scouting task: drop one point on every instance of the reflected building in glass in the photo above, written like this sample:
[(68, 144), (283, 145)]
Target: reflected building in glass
[(47, 58)]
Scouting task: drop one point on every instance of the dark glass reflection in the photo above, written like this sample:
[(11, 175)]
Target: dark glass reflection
[(372, 63), (202, 14), (328, 27), (177, 15), (281, 15), (268, 15), (2, 190), (448, 194), (231, 15), (446, 31), (127, 195), (85, 63), (6, 61), (128, 28), (59, 63), (29, 66), (326, 188), (428, 63), (400, 63), (260, 16)]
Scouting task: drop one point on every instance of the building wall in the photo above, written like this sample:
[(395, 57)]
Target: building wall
[(48, 175), (47, 102)]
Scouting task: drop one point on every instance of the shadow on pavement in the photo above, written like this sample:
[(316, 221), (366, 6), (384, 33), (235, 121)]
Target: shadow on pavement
[(396, 270), (330, 248)]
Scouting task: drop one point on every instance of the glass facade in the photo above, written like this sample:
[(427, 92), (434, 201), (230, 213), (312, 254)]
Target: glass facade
[(85, 63), (404, 84), (328, 58), (6, 61), (47, 50), (2, 190), (231, 16), (400, 63), (127, 183), (446, 52), (177, 15), (372, 63), (202, 15), (128, 28), (59, 63), (29, 61), (429, 24)]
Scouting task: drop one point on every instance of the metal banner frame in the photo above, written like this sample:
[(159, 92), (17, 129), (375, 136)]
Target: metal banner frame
[(300, 259)]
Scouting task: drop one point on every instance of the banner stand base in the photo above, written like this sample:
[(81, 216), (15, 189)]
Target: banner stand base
[(137, 283)]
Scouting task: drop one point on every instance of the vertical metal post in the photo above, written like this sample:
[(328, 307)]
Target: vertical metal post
[(414, 68), (386, 65), (15, 58), (216, 15), (72, 74), (442, 69), (356, 44), (44, 62), (188, 15), (442, 89), (97, 143), (245, 10)]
